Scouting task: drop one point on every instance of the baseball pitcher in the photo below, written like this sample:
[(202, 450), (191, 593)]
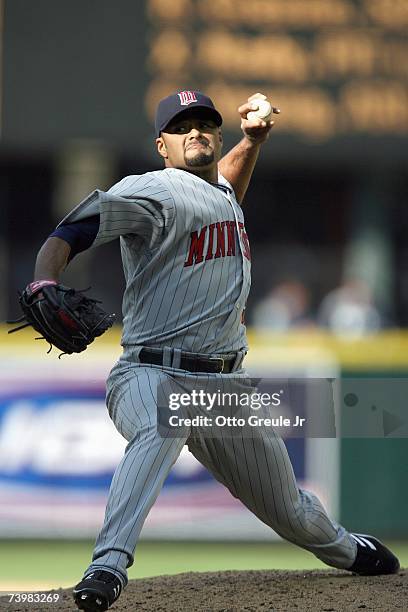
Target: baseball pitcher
[(187, 264)]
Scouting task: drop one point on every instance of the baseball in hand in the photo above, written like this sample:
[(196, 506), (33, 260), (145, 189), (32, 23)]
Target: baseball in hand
[(264, 110)]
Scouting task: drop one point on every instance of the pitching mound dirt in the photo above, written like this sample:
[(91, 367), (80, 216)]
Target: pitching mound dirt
[(252, 591)]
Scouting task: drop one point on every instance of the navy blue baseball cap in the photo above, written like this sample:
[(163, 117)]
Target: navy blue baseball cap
[(174, 105)]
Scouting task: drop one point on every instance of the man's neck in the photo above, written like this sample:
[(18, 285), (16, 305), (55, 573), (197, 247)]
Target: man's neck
[(207, 174)]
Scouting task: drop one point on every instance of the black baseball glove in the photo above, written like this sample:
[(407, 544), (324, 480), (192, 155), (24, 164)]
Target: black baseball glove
[(66, 318)]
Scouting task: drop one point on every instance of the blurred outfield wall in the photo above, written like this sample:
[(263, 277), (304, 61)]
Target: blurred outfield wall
[(58, 448)]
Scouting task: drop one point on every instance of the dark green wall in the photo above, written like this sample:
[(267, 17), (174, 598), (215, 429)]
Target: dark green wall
[(374, 475)]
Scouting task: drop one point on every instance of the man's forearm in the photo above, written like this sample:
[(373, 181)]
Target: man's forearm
[(52, 259), (238, 165)]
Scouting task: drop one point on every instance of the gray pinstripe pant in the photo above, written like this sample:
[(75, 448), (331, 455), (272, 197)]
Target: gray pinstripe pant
[(256, 469)]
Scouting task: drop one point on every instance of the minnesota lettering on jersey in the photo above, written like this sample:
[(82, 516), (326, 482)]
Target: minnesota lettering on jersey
[(216, 240)]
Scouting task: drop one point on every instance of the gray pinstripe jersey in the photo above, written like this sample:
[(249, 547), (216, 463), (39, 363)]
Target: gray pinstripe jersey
[(185, 255), (187, 267)]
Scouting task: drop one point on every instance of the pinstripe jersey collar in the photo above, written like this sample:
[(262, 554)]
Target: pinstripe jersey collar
[(224, 188)]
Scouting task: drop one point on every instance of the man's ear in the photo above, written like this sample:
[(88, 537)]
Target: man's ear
[(161, 147)]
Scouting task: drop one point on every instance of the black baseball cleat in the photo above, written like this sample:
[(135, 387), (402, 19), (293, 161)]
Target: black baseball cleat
[(373, 558), (97, 591)]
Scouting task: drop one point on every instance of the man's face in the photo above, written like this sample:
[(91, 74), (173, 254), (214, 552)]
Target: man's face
[(191, 141)]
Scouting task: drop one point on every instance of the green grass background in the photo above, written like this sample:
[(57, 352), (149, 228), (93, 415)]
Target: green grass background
[(61, 563)]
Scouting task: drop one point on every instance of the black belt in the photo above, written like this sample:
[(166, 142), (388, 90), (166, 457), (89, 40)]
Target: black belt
[(190, 362)]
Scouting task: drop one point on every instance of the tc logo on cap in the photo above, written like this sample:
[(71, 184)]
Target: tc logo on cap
[(187, 97)]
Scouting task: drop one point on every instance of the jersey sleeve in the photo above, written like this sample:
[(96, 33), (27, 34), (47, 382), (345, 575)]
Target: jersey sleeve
[(80, 235), (139, 205)]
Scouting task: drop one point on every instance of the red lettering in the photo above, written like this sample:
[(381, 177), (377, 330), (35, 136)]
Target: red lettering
[(221, 237), (220, 252), (195, 254), (245, 242), (231, 237), (210, 242)]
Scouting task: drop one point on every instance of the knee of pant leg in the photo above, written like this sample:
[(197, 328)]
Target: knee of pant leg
[(142, 435), (148, 440)]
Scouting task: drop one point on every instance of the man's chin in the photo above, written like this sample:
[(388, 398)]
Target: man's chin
[(199, 160)]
